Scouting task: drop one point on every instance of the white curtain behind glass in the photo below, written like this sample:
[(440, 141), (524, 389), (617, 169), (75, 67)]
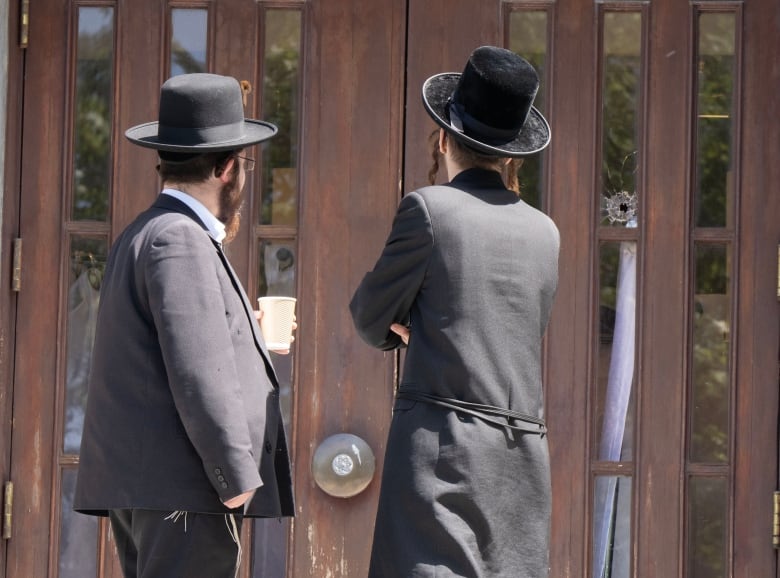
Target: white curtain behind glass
[(619, 382), (83, 300)]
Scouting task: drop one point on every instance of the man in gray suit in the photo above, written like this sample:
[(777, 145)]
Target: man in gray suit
[(183, 435), (467, 279)]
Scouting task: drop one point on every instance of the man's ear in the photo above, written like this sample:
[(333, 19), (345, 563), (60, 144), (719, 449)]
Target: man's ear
[(442, 141), (224, 173)]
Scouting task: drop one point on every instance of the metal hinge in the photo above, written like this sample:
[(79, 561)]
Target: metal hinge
[(776, 520), (24, 24), (8, 510), (16, 279)]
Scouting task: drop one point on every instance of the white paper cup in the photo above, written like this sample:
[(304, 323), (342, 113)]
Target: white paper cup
[(277, 321)]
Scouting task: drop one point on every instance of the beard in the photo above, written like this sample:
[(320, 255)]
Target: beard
[(231, 200)]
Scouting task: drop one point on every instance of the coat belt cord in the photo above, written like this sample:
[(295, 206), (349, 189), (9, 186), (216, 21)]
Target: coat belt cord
[(488, 413)]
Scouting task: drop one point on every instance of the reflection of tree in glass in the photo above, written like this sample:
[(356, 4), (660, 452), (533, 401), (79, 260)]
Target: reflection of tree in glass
[(708, 502), (714, 140), (710, 373), (92, 146), (710, 407), (619, 162), (280, 106), (183, 61)]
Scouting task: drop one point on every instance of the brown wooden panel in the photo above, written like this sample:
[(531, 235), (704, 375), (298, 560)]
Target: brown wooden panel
[(572, 206), (10, 229), (350, 159), (139, 73), (662, 306), (758, 332), (35, 370)]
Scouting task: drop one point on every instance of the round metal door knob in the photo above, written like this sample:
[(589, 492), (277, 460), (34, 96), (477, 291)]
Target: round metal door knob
[(343, 465)]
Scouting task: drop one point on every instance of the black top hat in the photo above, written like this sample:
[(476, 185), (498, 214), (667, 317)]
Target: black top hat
[(489, 106), (200, 113)]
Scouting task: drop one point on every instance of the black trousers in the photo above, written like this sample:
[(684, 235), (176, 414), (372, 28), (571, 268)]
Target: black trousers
[(156, 544)]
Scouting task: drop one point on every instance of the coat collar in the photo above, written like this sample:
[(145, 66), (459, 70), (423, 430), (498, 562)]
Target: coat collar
[(478, 178)]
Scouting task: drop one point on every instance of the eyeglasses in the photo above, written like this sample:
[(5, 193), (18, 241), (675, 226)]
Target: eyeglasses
[(249, 164)]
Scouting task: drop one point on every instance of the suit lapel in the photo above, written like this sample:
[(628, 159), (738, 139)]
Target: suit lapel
[(250, 313)]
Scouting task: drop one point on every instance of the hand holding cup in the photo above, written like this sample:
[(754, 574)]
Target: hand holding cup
[(277, 322)]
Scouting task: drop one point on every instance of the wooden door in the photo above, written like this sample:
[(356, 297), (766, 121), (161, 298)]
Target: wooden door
[(661, 357), (91, 70), (330, 76)]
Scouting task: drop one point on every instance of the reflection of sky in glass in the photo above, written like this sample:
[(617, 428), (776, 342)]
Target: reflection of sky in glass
[(188, 42), (528, 38), (94, 20)]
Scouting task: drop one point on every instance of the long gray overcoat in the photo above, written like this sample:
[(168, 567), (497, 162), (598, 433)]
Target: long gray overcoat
[(183, 406), (473, 270)]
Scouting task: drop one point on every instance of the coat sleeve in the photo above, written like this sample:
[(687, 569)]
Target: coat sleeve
[(189, 310), (385, 295)]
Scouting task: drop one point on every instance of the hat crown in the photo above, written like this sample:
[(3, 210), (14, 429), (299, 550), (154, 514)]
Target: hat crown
[(200, 100), (199, 113), (494, 94), (200, 107)]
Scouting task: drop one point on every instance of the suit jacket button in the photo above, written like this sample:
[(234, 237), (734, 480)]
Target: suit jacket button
[(217, 471), (224, 485), (268, 447), (221, 478)]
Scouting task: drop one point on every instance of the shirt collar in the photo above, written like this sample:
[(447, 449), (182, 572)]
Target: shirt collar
[(214, 227)]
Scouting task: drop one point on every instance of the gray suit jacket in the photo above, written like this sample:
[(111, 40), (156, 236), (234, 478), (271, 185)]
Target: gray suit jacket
[(474, 270), (183, 407)]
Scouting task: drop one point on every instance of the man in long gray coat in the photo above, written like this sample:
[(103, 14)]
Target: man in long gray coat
[(183, 435), (467, 279)]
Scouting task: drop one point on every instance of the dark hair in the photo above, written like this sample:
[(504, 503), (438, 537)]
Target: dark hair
[(468, 157), (185, 168)]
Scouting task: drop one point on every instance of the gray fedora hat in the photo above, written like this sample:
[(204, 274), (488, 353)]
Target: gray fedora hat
[(200, 113), (489, 107)]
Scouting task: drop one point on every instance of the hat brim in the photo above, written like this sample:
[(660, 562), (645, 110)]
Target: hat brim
[(532, 138), (255, 131)]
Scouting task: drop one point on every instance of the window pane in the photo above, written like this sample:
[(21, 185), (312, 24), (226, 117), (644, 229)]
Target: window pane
[(88, 261), (281, 82), (707, 531), (528, 38), (612, 527), (621, 70), (78, 535), (714, 179), (189, 46), (710, 365), (92, 114), (276, 276), (617, 337)]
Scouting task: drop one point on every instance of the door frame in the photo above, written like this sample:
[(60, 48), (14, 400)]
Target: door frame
[(13, 87)]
